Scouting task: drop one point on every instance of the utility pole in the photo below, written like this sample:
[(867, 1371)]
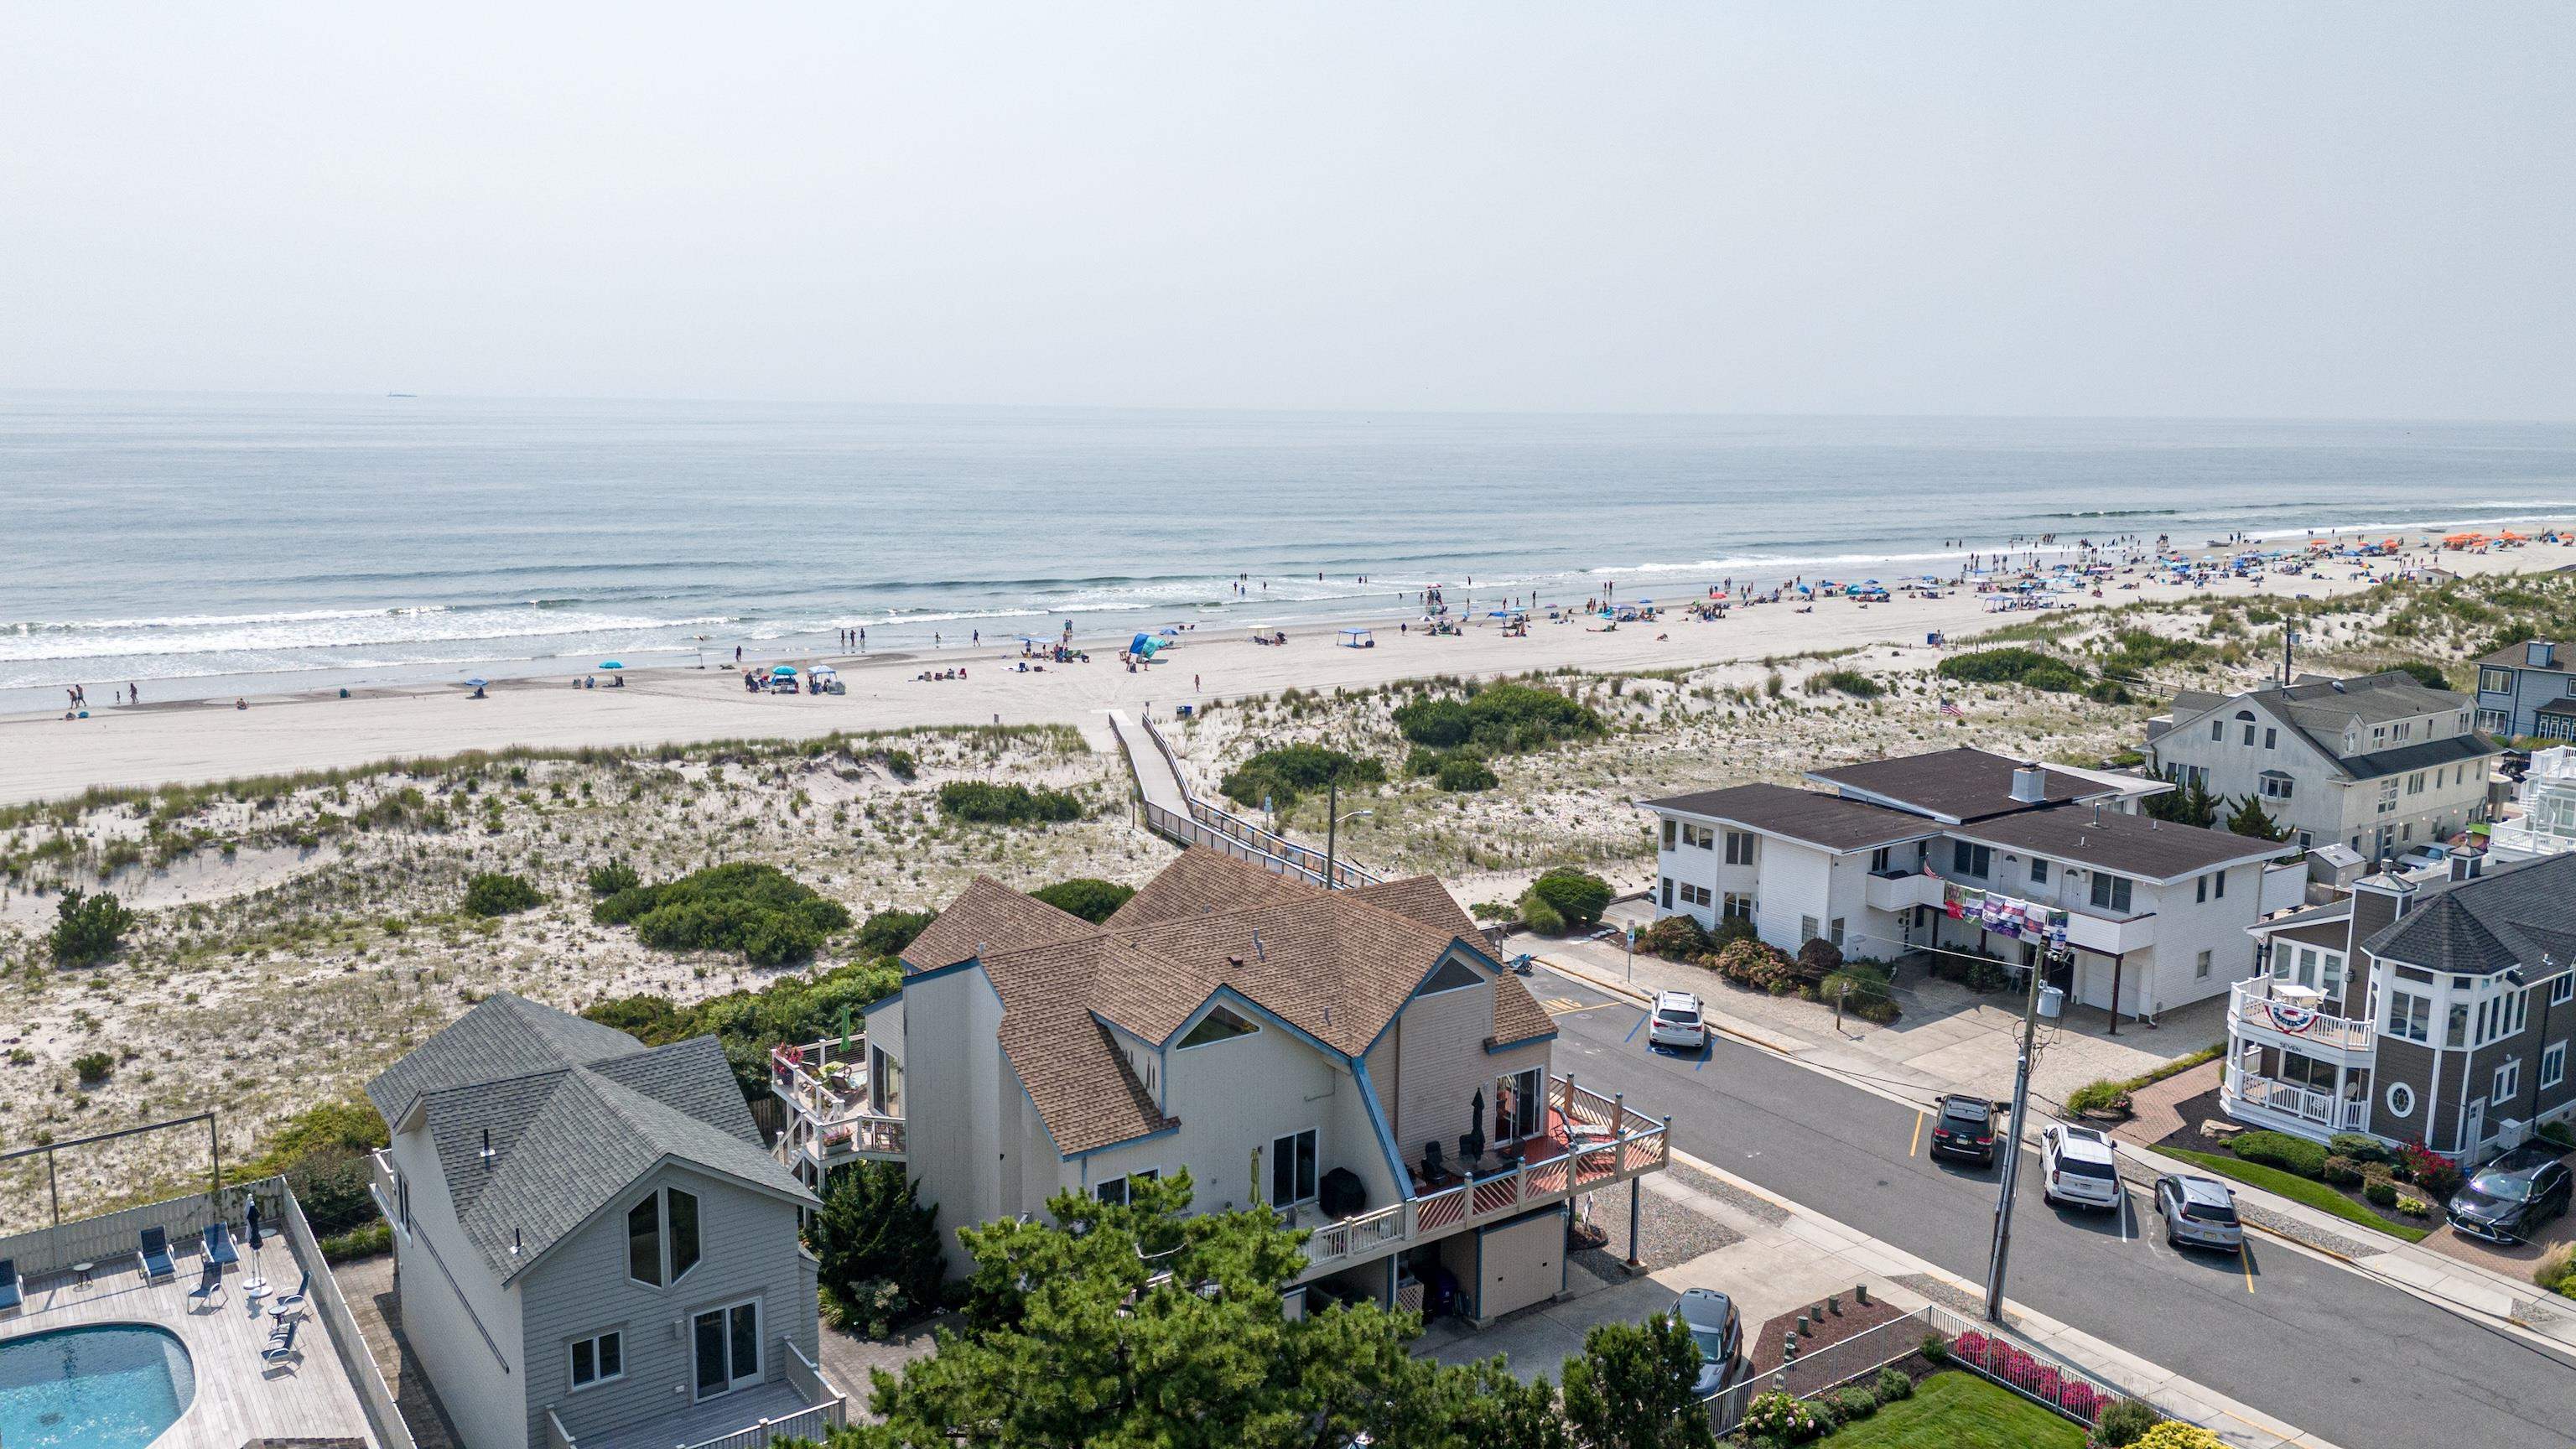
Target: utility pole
[(2010, 1158), (2289, 637), (1332, 823)]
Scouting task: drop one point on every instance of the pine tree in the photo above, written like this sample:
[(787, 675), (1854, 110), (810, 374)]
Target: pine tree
[(2253, 820), (873, 1230), (1636, 1387)]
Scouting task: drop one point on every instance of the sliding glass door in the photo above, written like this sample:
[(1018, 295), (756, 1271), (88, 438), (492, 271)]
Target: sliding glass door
[(728, 1348)]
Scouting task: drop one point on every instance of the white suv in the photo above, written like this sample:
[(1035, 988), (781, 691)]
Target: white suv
[(1677, 1022), (2077, 1168)]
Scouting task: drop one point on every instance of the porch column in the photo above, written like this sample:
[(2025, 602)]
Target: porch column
[(2334, 1114), (1636, 1206)]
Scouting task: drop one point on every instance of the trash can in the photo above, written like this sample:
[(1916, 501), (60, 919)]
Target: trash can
[(2052, 1001)]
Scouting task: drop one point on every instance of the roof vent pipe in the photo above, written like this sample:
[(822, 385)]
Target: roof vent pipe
[(2029, 784), (1257, 951), (486, 1153)]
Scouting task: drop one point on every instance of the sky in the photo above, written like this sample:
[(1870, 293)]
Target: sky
[(2283, 210)]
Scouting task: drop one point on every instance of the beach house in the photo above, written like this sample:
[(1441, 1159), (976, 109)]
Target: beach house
[(2528, 690), (592, 1247), (2435, 1012), (1352, 1060), (2544, 818), (2377, 764), (1887, 857)]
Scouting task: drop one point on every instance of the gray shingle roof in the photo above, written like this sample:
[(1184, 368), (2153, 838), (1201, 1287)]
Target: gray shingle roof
[(1963, 783), (2422, 755), (2133, 845), (2478, 927), (573, 1114), (1811, 816)]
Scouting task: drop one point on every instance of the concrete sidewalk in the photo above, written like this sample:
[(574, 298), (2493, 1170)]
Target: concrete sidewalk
[(1980, 1060), (1784, 1257)]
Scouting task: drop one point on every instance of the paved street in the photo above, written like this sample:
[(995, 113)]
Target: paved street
[(2355, 1361)]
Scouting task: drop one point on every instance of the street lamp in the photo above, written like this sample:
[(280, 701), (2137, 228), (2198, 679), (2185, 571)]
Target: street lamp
[(1333, 819)]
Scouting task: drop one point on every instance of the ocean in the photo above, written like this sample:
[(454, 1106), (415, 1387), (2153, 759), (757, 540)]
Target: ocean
[(206, 546)]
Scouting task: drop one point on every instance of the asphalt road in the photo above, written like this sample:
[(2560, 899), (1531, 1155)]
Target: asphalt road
[(2353, 1360)]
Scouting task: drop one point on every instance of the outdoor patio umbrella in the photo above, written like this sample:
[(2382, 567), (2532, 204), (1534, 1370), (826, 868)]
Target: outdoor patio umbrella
[(254, 1285)]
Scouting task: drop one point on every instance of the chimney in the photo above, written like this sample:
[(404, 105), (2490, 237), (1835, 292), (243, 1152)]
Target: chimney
[(2376, 901), (2540, 653), (1234, 963), (2030, 784)]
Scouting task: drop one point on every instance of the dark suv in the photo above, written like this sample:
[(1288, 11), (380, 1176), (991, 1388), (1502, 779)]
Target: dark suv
[(2506, 1200), (1965, 1128)]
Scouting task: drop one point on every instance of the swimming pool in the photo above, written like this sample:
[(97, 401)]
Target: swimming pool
[(108, 1386)]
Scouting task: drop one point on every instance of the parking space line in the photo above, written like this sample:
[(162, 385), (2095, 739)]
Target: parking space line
[(2245, 1261), (1915, 1146), (1632, 1031)]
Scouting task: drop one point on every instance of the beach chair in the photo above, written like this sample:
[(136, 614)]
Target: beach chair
[(154, 1246), (286, 1305), (281, 1344), (11, 1294), (210, 1282), (219, 1246)]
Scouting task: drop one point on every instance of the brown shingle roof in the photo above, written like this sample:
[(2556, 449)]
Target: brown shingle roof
[(1336, 965)]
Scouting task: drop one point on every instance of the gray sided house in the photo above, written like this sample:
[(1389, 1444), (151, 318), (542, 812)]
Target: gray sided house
[(592, 1246), (2528, 690), (2378, 764), (2438, 1013)]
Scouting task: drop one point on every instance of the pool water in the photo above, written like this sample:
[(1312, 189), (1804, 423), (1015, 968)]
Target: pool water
[(113, 1386)]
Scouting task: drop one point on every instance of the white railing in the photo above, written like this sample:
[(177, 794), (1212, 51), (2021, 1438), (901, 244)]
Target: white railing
[(1609, 1145), (829, 1100), (2291, 1099), (2254, 1005), (811, 1423), (557, 1436), (1223, 830)]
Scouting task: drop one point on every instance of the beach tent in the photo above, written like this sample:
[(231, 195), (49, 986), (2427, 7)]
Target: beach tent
[(1357, 639), (1145, 646)]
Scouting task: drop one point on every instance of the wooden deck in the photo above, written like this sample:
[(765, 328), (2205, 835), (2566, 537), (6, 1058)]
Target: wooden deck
[(699, 1423), (239, 1399)]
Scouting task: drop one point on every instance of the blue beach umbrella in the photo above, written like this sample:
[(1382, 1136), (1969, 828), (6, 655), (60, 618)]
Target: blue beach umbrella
[(783, 671), (610, 664), (476, 683)]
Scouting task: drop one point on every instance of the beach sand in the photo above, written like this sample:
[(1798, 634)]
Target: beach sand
[(48, 756)]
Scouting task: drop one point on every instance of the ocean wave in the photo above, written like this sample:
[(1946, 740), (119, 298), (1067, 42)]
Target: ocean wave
[(342, 630), (2116, 513)]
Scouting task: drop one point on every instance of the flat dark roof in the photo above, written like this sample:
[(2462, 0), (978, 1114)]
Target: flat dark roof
[(1811, 816), (2133, 845), (1962, 783)]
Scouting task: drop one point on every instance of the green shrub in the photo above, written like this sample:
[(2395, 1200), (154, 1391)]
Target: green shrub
[(1854, 1404), (1092, 899), (2122, 1423), (1755, 963), (2104, 1095), (742, 906), (2559, 1132), (332, 1187), (1893, 1385), (361, 1242), (87, 929), (2013, 664), (609, 879), (2359, 1146), (2281, 1150), (1501, 718), (1284, 774), (1676, 938), (1465, 774), (1819, 958), (886, 933), (2556, 1270), (874, 1230), (2381, 1192), (983, 803), (1578, 896), (1539, 916), (497, 893), (93, 1067), (1845, 681), (2341, 1172), (1935, 1350)]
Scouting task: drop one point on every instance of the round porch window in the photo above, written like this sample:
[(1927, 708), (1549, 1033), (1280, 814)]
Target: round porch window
[(2401, 1099)]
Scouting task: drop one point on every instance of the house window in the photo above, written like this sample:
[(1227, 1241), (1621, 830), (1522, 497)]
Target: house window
[(598, 1360), (2038, 871), (1834, 933), (2410, 1018), (2111, 892), (1694, 895), (1116, 1190), (2455, 1031), (1668, 834), (646, 1240), (2218, 732), (2200, 967), (1739, 907), (2387, 796), (1880, 860), (1806, 929), (2553, 1065), (2276, 785), (2492, 720), (1668, 893), (1699, 837), (2218, 887), (2508, 1080), (2492, 680), (2415, 783), (1520, 1097), (2401, 1100), (1218, 1025), (2562, 989), (2378, 735), (1292, 1167), (2271, 739), (885, 1084), (1970, 859), (1739, 847)]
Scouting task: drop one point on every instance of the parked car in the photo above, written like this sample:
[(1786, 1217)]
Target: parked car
[(2199, 1211), (2077, 1168), (2424, 857), (1711, 1318), (1678, 1022), (1965, 1127), (2504, 1201)]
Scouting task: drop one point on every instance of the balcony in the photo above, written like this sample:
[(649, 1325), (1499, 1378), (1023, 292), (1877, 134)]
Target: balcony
[(1902, 890), (2264, 1101), (2110, 935), (799, 1404), (2264, 1010), (1589, 1142), (829, 1119)]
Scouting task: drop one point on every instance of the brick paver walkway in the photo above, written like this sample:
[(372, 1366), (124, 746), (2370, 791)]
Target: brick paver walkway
[(2153, 1116)]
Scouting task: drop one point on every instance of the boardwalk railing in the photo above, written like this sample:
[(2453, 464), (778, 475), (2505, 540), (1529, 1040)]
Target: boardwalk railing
[(1203, 823)]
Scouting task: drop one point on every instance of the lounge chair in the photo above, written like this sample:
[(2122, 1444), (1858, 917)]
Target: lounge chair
[(11, 1295), (281, 1344), (209, 1283), (219, 1245), (284, 1305), (154, 1246)]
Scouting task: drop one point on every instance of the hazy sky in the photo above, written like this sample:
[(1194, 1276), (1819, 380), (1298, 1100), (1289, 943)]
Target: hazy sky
[(2329, 210)]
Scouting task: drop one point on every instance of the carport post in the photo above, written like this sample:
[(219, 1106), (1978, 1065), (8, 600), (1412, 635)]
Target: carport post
[(1636, 1199)]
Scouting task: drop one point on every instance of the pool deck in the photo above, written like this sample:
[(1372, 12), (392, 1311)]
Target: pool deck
[(239, 1398)]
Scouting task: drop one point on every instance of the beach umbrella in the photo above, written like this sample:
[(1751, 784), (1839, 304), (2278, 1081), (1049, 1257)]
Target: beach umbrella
[(254, 1284), (784, 671), (476, 683), (610, 664)]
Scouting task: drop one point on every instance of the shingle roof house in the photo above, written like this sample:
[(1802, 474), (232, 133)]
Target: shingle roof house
[(556, 1186), (1266, 1034)]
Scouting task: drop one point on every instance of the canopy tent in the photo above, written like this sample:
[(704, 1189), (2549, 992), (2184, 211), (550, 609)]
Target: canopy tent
[(1356, 639), (1146, 646)]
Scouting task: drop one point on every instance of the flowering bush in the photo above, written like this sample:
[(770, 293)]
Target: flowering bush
[(2032, 1375), (2175, 1434), (2439, 1176), (1751, 963), (1779, 1417)]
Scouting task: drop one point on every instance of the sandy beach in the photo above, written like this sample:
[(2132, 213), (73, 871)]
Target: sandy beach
[(153, 744)]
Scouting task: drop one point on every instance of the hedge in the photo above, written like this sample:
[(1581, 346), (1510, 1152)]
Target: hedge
[(2281, 1150)]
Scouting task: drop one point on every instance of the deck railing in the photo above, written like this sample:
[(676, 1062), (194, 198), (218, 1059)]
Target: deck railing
[(2352, 1114), (830, 1102), (322, 1290), (2252, 1003), (557, 1436)]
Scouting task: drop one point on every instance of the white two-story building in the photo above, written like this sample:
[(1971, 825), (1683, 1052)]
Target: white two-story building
[(1353, 1060), (2156, 912)]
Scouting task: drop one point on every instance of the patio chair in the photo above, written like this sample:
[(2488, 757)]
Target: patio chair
[(219, 1245), (281, 1344), (209, 1283), (154, 1246), (11, 1295), (286, 1305)]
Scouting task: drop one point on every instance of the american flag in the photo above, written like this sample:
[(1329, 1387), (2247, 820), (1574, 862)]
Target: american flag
[(1952, 710)]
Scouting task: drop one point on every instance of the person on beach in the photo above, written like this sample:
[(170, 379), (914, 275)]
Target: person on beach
[(737, 654)]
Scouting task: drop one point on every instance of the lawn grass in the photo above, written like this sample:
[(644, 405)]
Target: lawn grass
[(1958, 1410), (2298, 1189)]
